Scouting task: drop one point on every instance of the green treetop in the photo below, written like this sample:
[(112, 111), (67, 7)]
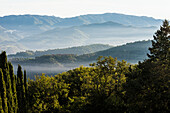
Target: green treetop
[(161, 44)]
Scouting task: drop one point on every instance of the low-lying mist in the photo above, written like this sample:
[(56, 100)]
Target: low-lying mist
[(47, 69)]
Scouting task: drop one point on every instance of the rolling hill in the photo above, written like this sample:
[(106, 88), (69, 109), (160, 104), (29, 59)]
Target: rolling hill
[(27, 25), (79, 50), (103, 33), (8, 41), (131, 52), (8, 35)]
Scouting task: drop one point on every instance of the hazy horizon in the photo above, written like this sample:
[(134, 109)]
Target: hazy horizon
[(83, 15), (66, 8)]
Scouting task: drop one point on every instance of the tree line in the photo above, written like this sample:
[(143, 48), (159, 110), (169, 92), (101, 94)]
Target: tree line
[(107, 86)]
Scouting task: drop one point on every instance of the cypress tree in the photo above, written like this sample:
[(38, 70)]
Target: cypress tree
[(3, 92), (25, 83), (20, 91), (5, 70), (13, 85), (26, 90), (4, 64)]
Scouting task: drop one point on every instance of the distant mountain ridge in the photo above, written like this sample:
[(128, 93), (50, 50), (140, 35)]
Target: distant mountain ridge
[(29, 24), (17, 20), (141, 21), (44, 31), (104, 33), (29, 20)]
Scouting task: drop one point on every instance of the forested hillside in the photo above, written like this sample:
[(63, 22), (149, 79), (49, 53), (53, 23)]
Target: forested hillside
[(106, 86), (131, 52), (79, 50)]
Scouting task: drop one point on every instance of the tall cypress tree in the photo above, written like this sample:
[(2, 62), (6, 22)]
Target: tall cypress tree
[(13, 85), (5, 70), (20, 91), (3, 92), (4, 64), (25, 83), (26, 90)]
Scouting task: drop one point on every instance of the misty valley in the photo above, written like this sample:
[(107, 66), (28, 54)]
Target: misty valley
[(49, 63), (26, 38), (94, 63)]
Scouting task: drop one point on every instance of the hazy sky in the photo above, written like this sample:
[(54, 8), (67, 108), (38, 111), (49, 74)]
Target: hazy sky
[(68, 8)]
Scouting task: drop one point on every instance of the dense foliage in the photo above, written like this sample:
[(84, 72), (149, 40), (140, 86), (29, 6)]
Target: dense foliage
[(107, 86), (83, 89)]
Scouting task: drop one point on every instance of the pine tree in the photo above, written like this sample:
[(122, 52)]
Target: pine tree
[(147, 86), (3, 92), (161, 44), (13, 86)]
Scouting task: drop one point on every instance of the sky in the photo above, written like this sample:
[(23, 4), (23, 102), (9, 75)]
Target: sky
[(159, 9)]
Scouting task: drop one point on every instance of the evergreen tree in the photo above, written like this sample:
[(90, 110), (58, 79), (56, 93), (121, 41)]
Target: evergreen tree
[(161, 44), (4, 64), (13, 85), (147, 86), (20, 91), (26, 89), (25, 82), (3, 92), (5, 70)]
